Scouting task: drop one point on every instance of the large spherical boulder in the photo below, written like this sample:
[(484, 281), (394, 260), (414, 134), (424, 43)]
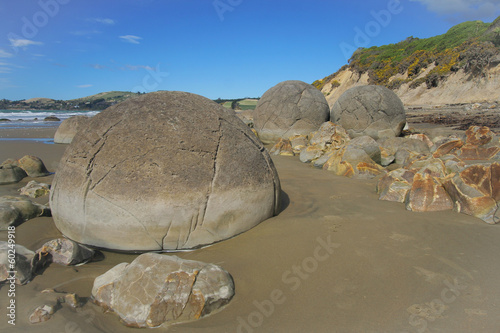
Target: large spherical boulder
[(290, 108), (68, 128), (369, 110), (167, 170)]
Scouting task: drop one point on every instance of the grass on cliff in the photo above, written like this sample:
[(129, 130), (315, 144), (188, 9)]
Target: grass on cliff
[(469, 46)]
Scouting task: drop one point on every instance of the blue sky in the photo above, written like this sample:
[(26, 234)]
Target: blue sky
[(64, 49)]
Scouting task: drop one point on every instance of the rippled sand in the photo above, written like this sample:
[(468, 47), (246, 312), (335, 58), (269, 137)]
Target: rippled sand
[(335, 260)]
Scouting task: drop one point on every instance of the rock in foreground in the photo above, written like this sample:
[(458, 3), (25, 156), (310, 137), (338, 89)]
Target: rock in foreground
[(167, 170), (158, 289)]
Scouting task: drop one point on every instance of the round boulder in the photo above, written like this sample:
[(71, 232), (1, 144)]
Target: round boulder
[(369, 110), (68, 128), (164, 171), (289, 108)]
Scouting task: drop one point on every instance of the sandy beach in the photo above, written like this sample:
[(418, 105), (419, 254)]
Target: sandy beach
[(336, 259)]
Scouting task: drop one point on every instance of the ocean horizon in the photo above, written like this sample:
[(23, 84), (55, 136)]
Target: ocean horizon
[(35, 118)]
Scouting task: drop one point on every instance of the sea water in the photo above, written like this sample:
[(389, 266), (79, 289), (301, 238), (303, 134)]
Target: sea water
[(35, 118)]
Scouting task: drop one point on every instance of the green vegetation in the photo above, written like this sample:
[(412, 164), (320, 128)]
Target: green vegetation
[(469, 46)]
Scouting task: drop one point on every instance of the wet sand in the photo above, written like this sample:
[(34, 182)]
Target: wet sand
[(336, 259)]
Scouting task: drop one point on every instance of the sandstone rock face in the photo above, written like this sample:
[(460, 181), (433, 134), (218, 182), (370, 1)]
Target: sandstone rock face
[(329, 136), (158, 289), (476, 191), (427, 195), (369, 110), (395, 185), (167, 170), (290, 108), (68, 128), (16, 210), (478, 135)]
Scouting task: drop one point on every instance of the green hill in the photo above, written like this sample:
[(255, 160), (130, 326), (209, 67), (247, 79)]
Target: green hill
[(470, 46)]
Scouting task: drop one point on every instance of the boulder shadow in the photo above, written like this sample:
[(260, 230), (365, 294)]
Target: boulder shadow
[(284, 201)]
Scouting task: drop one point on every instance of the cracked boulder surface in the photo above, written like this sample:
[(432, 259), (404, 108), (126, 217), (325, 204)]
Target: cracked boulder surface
[(164, 171), (369, 110), (288, 109), (157, 289)]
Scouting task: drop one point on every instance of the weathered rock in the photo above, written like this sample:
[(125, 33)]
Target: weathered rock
[(395, 185), (33, 166), (41, 314), (320, 161), (352, 161), (369, 110), (158, 289), (476, 191), (329, 136), (10, 174), (478, 135), (422, 137), (22, 263), (470, 152), (299, 142), (401, 150), (121, 185), (16, 210), (290, 108), (429, 165), (369, 145), (35, 189), (449, 146), (282, 147), (310, 153), (68, 128), (66, 252), (427, 195)]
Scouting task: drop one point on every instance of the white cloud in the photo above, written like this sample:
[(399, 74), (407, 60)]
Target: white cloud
[(5, 54), (84, 86), (137, 67), (85, 32), (97, 66), (131, 39), (23, 42), (464, 9), (101, 20)]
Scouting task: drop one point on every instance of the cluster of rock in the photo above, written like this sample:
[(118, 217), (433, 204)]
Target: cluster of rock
[(157, 289), (13, 171), (53, 301), (15, 210), (29, 263), (460, 173)]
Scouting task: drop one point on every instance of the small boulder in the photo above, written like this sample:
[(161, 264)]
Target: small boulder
[(310, 153), (427, 195), (289, 108), (478, 135), (282, 147), (35, 189), (10, 174), (68, 128), (353, 161), (446, 146), (51, 118), (22, 263), (16, 210), (157, 289), (329, 136), (33, 166), (476, 191), (66, 252), (369, 110), (42, 313), (395, 185), (299, 142)]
